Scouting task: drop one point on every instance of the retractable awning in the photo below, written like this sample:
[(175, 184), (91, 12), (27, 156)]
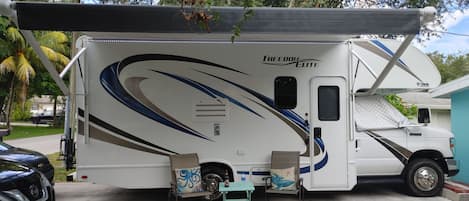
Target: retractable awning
[(159, 19)]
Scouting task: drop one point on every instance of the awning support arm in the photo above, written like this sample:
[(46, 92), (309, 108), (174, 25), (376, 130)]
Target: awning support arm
[(372, 72), (70, 64), (28, 35), (390, 65)]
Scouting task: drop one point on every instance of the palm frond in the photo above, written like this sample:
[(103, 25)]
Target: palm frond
[(55, 40), (8, 65), (25, 70), (57, 58), (14, 35), (62, 61), (33, 58), (50, 53)]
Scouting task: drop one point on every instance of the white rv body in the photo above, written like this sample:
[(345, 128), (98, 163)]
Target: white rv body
[(140, 100), (230, 95)]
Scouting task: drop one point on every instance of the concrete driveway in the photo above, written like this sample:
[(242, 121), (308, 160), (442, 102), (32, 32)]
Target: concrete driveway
[(44, 144), (365, 192)]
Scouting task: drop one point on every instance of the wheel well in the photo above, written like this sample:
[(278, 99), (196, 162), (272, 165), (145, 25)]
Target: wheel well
[(433, 155), (221, 166)]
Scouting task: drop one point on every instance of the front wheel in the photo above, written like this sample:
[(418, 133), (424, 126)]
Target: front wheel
[(424, 177), (212, 176)]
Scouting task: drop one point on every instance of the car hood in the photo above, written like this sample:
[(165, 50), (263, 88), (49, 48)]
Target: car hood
[(28, 157), (11, 171)]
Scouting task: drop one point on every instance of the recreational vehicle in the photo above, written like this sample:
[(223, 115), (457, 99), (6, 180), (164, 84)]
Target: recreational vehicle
[(296, 80)]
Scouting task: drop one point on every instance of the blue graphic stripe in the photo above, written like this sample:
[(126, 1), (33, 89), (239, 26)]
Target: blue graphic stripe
[(322, 163), (261, 173), (387, 50), (320, 143), (288, 113), (110, 80), (188, 82), (209, 91), (305, 170), (324, 160)]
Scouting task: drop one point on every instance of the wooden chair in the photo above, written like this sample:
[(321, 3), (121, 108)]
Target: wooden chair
[(282, 160), (183, 161)]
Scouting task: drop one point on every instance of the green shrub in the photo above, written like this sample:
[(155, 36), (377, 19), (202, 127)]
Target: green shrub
[(21, 113), (410, 111)]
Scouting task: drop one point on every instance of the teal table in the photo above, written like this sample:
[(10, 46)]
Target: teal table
[(245, 186)]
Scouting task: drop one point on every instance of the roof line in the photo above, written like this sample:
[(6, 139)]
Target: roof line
[(445, 90)]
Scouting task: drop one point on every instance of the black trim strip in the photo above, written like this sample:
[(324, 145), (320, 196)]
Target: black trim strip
[(398, 151), (81, 112), (98, 134), (168, 57), (122, 133)]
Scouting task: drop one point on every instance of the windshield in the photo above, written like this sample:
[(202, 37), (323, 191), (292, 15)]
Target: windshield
[(5, 147)]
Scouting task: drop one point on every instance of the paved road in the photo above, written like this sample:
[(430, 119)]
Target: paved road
[(44, 144), (367, 192)]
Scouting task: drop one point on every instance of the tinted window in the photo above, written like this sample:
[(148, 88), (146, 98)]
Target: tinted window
[(285, 92), (328, 103)]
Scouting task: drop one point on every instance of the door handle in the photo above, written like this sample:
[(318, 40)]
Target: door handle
[(317, 132), (357, 147)]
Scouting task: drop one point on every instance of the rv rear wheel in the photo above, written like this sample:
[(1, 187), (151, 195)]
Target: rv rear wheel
[(424, 177), (212, 176)]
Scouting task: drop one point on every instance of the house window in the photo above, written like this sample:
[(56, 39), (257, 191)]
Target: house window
[(328, 103), (285, 92)]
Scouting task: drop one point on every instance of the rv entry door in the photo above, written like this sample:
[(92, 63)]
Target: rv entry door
[(329, 135)]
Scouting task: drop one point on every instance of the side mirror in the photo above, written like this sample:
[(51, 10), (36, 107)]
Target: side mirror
[(424, 116)]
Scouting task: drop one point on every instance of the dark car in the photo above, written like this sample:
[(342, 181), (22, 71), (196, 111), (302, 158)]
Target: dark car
[(19, 182), (28, 157)]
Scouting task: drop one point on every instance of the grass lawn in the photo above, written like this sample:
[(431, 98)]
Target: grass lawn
[(60, 174), (31, 131)]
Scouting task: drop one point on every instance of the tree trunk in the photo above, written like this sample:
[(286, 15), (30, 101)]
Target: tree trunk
[(4, 85), (10, 102), (291, 4), (54, 112)]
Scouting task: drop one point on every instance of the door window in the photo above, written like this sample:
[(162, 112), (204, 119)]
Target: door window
[(328, 103)]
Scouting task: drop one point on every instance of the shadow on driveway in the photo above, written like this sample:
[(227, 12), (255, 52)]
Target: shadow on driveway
[(366, 192)]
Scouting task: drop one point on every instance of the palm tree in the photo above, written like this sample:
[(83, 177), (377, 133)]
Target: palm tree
[(18, 58)]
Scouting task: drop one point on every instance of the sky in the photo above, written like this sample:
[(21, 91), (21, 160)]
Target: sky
[(456, 22)]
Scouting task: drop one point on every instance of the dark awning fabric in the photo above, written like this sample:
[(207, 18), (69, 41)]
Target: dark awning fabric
[(157, 19)]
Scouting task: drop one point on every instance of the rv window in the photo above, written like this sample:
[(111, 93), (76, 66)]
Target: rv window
[(285, 92), (328, 103)]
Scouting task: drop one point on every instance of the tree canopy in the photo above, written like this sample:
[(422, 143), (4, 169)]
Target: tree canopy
[(19, 64), (450, 66)]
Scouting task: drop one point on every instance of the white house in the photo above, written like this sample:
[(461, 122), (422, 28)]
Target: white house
[(440, 107)]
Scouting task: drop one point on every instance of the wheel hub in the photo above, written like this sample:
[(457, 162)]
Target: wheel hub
[(425, 179), (211, 182)]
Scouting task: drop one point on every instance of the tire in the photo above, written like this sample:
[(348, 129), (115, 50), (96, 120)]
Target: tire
[(36, 120), (424, 178), (211, 176)]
